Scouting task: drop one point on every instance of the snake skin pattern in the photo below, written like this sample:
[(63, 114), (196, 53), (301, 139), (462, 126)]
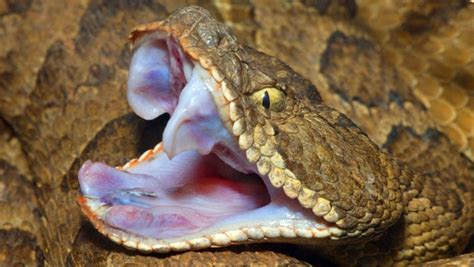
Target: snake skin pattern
[(63, 101)]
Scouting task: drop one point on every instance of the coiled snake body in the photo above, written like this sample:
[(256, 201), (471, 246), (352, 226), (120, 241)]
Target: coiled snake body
[(421, 197)]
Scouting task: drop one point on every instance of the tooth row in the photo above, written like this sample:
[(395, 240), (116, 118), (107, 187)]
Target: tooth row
[(219, 239), (149, 153), (144, 157), (129, 164), (222, 239)]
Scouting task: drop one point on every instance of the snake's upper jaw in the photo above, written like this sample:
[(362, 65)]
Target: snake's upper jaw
[(189, 94), (155, 77)]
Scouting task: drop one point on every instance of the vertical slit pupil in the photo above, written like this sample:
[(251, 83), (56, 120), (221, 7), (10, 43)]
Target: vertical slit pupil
[(266, 100)]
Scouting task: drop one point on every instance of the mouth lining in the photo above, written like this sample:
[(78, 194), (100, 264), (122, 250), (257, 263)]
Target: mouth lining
[(175, 73), (173, 202)]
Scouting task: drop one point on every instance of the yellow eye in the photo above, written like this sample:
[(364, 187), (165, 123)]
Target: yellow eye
[(270, 98)]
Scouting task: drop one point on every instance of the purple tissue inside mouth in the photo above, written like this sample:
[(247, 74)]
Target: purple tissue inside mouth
[(190, 187), (174, 201)]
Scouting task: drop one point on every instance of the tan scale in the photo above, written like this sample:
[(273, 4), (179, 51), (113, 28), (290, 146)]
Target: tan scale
[(438, 62)]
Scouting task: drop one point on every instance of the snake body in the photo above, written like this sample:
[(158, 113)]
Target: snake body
[(434, 188)]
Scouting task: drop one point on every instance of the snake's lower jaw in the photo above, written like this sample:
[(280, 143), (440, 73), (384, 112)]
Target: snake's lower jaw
[(197, 189), (189, 202), (162, 198)]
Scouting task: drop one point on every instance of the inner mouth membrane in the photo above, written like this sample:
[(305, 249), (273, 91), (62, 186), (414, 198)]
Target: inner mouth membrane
[(171, 198), (197, 181)]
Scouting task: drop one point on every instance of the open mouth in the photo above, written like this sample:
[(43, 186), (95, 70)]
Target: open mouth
[(196, 189)]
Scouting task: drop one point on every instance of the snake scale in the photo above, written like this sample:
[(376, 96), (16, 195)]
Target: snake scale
[(61, 106)]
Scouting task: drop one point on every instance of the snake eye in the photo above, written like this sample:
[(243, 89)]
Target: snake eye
[(270, 98)]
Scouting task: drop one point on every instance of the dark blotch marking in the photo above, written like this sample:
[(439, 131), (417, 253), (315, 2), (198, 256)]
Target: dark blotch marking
[(123, 61), (345, 122), (342, 38), (98, 74), (356, 70), (395, 97), (431, 15), (432, 134), (346, 8), (54, 57), (462, 186), (9, 70), (313, 94), (362, 58), (99, 13), (18, 245), (320, 5), (40, 258), (56, 78), (392, 136), (17, 6), (334, 39), (464, 79), (351, 7)]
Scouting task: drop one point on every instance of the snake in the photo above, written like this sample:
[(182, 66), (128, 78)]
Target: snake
[(429, 181)]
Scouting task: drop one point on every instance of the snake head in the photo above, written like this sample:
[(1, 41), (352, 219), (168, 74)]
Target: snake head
[(250, 153)]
